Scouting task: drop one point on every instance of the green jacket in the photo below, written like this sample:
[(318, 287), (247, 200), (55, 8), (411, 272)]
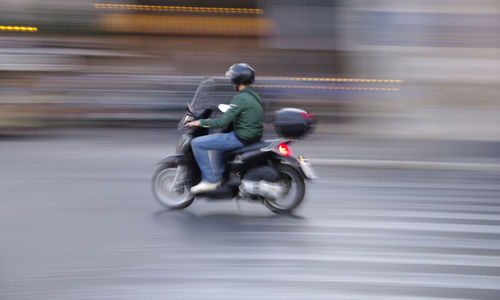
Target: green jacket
[(247, 115)]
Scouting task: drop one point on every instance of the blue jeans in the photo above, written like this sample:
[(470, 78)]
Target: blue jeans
[(220, 142)]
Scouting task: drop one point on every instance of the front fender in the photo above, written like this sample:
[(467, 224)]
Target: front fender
[(172, 160)]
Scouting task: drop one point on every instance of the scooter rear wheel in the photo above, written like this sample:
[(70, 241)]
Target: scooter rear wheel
[(163, 179), (294, 185)]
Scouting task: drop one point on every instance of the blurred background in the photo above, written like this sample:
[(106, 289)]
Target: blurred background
[(411, 68), (407, 146)]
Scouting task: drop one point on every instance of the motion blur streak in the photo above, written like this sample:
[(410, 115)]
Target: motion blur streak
[(180, 9), (347, 88), (335, 79), (217, 26), (18, 28)]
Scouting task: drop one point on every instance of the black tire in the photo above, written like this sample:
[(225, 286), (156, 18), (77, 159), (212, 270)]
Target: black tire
[(294, 178), (159, 183)]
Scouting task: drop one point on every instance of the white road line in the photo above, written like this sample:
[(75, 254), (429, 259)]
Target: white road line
[(405, 164)]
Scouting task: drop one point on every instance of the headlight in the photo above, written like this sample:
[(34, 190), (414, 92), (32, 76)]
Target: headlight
[(183, 121)]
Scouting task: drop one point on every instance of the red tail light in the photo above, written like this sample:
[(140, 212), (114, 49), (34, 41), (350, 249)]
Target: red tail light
[(284, 150)]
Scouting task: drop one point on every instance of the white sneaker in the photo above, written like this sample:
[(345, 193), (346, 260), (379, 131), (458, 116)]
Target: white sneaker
[(204, 186)]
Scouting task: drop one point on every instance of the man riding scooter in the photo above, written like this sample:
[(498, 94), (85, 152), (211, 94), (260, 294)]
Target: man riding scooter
[(246, 113)]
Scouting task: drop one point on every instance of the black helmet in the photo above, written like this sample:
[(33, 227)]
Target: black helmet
[(240, 74)]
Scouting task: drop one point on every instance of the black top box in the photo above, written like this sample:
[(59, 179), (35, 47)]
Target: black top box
[(293, 123)]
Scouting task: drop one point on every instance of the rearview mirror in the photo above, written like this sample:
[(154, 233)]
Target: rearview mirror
[(223, 107)]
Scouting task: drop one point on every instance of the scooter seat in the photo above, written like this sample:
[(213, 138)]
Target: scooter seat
[(251, 147)]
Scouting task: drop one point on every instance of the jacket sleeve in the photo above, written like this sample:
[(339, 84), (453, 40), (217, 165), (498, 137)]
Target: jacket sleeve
[(224, 120)]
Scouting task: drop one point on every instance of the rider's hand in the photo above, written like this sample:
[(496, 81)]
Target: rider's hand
[(193, 124)]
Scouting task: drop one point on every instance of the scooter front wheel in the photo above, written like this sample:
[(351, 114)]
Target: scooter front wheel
[(168, 195)]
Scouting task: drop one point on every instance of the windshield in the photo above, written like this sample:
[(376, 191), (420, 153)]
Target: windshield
[(212, 92), (204, 96)]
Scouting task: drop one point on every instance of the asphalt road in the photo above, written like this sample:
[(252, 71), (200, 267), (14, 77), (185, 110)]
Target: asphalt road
[(78, 221)]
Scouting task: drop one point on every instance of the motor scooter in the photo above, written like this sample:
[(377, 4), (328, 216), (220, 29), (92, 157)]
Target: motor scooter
[(265, 171)]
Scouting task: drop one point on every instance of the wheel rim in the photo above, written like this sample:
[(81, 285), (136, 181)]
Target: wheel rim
[(163, 182), (288, 198)]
